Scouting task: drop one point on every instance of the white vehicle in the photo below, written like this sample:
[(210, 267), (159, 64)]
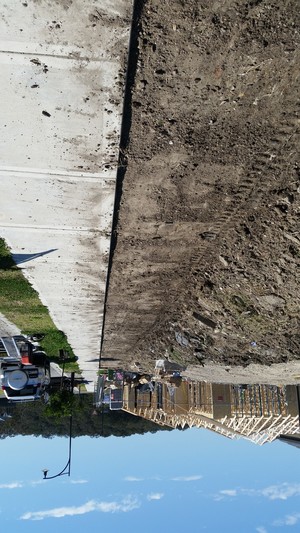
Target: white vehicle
[(24, 373), (23, 383)]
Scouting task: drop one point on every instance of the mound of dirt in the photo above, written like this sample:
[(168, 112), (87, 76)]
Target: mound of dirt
[(207, 235)]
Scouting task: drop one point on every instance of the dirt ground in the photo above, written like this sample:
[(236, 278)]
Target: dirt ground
[(207, 248)]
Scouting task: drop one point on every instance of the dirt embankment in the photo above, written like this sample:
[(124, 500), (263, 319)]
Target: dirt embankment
[(208, 243)]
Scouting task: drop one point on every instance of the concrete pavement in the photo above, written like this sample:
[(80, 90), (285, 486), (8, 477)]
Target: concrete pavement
[(277, 374), (61, 90), (7, 328)]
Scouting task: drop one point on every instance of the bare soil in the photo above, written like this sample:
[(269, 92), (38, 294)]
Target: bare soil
[(207, 252)]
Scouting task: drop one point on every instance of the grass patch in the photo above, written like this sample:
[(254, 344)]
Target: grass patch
[(20, 304)]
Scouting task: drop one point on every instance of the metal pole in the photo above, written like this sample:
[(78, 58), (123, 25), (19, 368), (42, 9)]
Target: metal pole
[(67, 469)]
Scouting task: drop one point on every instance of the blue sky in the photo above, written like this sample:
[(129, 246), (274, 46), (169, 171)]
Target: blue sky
[(163, 481)]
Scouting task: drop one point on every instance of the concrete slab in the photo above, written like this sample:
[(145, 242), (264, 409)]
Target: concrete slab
[(62, 66), (277, 374)]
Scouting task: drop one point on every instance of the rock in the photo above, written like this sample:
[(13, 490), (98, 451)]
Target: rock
[(270, 302), (181, 339)]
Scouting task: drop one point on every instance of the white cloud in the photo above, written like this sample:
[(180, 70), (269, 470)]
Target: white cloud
[(124, 506), (291, 520), (133, 478), (228, 492), (15, 485), (37, 482), (282, 491), (288, 520), (186, 478), (222, 494), (78, 481), (155, 496), (261, 529)]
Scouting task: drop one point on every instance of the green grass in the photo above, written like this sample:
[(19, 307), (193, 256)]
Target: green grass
[(20, 304)]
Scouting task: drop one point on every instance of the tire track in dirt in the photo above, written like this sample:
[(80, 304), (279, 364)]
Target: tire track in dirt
[(217, 86), (271, 160)]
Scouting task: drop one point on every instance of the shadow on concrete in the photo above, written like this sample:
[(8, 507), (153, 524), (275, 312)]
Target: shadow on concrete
[(23, 258), (133, 56)]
